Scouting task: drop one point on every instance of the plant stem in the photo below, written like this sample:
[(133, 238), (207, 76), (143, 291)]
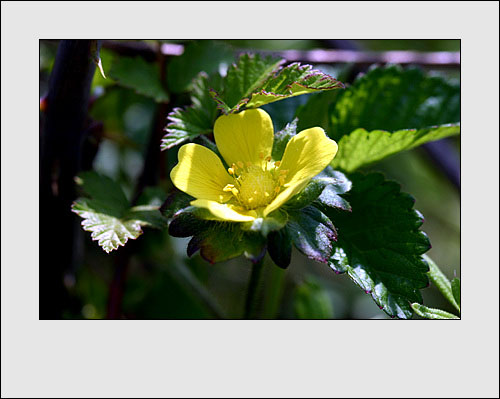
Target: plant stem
[(252, 288)]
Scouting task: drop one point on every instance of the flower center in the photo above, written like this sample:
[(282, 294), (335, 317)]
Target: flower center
[(255, 186)]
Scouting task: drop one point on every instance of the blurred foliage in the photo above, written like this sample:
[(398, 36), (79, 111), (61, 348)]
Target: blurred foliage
[(153, 290)]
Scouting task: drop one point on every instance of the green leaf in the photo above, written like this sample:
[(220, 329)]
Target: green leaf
[(325, 189), (255, 81), (185, 124), (107, 216), (430, 313), (312, 233), (292, 80), (312, 301), (455, 288), (380, 245), (139, 75), (361, 148), (279, 246), (243, 79), (392, 98), (199, 55), (441, 282), (315, 112)]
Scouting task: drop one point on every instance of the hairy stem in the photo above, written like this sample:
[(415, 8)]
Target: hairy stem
[(252, 289)]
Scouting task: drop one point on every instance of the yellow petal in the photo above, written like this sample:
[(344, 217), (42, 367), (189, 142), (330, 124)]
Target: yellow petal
[(244, 137), (200, 173), (306, 154), (226, 212)]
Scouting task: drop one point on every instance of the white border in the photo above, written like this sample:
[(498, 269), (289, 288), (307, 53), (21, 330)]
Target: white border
[(239, 358)]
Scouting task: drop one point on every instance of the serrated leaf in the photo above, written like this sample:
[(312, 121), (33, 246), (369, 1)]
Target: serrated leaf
[(107, 216), (185, 124), (380, 244), (139, 75), (455, 288), (199, 55), (292, 80), (312, 301), (361, 148), (430, 313), (312, 233), (392, 98), (255, 81)]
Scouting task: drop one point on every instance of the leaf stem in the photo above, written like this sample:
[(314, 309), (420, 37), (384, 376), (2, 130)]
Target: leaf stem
[(253, 284), (438, 278)]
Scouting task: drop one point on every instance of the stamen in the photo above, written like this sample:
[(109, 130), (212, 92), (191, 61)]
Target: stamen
[(277, 164), (235, 191), (231, 171), (266, 194), (268, 158), (228, 188)]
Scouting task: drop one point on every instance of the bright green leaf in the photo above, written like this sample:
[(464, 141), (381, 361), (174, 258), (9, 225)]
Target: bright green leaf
[(361, 148), (255, 81), (430, 313), (139, 75), (379, 243), (392, 98)]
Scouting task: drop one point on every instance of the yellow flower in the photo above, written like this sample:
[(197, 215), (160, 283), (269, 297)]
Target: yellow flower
[(253, 185)]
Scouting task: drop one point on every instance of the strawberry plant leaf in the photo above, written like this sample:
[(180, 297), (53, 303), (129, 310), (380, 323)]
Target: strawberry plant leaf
[(380, 245), (255, 81), (107, 215), (185, 124), (392, 98), (138, 74), (361, 148)]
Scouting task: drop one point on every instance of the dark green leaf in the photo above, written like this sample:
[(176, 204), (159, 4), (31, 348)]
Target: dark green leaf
[(312, 301), (312, 233), (279, 246), (325, 189), (199, 55), (315, 112), (361, 148), (380, 244), (430, 313), (282, 138), (139, 75), (392, 98), (188, 123)]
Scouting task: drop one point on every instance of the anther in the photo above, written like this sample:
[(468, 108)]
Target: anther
[(266, 194), (235, 191), (228, 187), (268, 158), (231, 171), (277, 164)]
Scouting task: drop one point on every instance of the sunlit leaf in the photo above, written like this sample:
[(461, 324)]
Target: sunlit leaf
[(430, 313)]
